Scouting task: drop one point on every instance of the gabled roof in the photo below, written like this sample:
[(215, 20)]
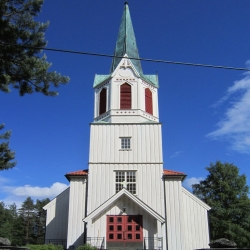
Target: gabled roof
[(126, 42), (118, 195), (77, 173)]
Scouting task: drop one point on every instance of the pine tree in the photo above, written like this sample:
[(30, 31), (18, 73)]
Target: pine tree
[(21, 64), (27, 215), (6, 155), (227, 193)]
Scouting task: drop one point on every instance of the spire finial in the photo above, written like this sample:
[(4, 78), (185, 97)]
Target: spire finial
[(126, 43)]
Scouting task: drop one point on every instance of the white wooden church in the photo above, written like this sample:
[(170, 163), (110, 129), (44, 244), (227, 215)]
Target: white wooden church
[(126, 199)]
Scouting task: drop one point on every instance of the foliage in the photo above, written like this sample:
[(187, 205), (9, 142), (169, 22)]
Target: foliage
[(226, 191), (24, 225), (86, 247), (21, 64), (6, 155), (45, 247)]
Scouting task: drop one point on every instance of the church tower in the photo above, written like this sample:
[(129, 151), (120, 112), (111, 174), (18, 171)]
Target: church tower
[(125, 142), (125, 199)]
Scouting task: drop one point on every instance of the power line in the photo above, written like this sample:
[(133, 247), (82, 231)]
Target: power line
[(140, 59)]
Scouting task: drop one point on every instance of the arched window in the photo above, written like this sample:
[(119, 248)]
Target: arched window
[(102, 101), (148, 101), (125, 96)]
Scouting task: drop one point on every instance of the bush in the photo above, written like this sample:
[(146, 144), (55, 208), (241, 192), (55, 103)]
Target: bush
[(45, 247), (86, 247)]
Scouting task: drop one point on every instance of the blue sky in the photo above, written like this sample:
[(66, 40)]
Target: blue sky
[(205, 113)]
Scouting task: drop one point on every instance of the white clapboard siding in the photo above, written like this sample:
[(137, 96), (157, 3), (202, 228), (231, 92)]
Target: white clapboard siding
[(57, 216), (76, 211), (196, 221)]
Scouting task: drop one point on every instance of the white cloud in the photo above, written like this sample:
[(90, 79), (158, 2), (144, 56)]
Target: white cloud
[(3, 180), (234, 126), (188, 182), (175, 154), (17, 195), (42, 192)]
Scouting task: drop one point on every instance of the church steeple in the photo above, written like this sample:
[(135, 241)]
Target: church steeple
[(126, 42)]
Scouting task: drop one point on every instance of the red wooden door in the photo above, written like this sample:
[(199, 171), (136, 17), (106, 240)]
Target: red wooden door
[(124, 229)]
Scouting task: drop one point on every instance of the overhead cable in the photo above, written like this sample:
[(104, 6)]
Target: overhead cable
[(140, 59)]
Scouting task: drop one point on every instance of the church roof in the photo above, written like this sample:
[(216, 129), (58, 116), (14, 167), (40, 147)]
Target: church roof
[(126, 43), (169, 173), (166, 172), (126, 46), (77, 173)]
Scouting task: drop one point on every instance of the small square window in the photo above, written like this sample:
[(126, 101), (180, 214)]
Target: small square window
[(119, 236), (111, 228), (137, 236), (111, 219), (125, 143)]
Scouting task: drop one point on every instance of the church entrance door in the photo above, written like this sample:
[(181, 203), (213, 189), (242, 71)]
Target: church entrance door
[(124, 231)]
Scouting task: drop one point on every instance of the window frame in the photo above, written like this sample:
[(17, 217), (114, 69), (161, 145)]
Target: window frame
[(102, 101), (149, 101), (125, 143), (125, 96), (126, 177)]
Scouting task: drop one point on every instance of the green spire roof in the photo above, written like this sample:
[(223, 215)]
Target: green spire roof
[(126, 43)]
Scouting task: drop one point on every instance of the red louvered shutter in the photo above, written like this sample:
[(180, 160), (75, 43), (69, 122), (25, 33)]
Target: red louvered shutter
[(102, 101), (148, 101), (125, 96)]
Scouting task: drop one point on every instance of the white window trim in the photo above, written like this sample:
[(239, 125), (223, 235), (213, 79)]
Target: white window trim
[(125, 177), (125, 149)]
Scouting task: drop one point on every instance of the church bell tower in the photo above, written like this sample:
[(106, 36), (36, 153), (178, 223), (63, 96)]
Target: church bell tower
[(126, 142)]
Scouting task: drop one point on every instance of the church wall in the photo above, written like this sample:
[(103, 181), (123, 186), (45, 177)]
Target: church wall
[(148, 184), (196, 221), (77, 199), (57, 217), (174, 213), (105, 143)]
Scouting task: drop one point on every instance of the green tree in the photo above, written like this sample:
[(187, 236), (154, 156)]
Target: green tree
[(6, 155), (226, 191), (21, 64), (40, 220), (6, 221), (27, 214)]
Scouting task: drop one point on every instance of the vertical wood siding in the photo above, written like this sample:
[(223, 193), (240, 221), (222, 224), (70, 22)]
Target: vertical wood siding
[(105, 143), (148, 185), (76, 211), (174, 206), (57, 216), (196, 221), (145, 157)]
